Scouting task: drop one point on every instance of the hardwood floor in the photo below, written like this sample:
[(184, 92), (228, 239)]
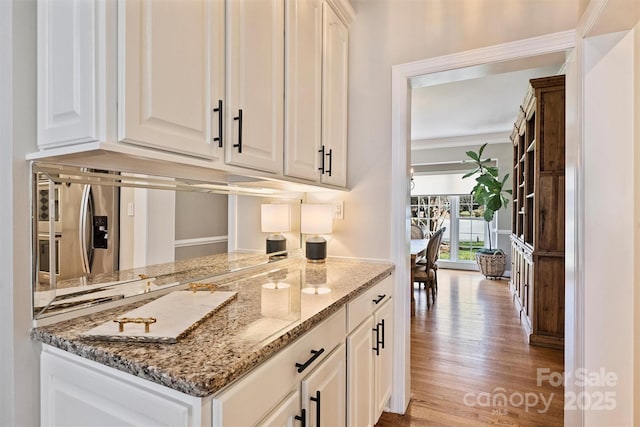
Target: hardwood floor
[(468, 351)]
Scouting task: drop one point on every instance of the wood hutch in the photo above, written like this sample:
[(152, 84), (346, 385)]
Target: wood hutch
[(538, 221)]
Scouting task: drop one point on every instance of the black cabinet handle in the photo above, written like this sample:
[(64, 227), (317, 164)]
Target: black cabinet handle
[(239, 119), (382, 326), (219, 111), (330, 155), (380, 298), (377, 347), (314, 355), (321, 151), (302, 418), (317, 400)]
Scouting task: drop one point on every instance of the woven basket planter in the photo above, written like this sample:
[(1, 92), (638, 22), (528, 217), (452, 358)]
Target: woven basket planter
[(492, 265)]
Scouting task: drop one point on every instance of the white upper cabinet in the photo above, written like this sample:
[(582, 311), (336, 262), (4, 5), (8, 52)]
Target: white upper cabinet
[(334, 99), (303, 65), (171, 74), (207, 80), (255, 84), (71, 72), (316, 93)]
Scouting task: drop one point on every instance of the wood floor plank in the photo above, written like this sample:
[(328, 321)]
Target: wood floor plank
[(468, 350)]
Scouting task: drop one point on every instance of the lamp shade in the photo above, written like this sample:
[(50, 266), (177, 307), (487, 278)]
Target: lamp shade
[(316, 219), (275, 218)]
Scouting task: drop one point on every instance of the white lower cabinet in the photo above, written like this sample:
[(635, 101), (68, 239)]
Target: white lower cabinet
[(360, 379), (75, 391), (369, 354), (315, 381), (287, 413), (323, 392), (269, 387), (383, 363)]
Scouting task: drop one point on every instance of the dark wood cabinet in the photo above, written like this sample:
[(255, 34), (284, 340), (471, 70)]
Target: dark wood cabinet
[(538, 212)]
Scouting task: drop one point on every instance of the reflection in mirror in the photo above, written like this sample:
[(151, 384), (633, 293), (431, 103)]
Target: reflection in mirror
[(101, 236)]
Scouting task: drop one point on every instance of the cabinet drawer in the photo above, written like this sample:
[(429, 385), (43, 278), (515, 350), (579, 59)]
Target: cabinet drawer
[(261, 390), (368, 302)]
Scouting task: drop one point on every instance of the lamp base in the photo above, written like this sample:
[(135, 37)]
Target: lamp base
[(277, 243), (316, 249)]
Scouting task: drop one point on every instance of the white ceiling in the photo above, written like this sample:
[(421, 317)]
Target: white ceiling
[(475, 104)]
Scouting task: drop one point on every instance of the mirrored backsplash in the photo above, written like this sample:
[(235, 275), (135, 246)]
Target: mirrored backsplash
[(100, 236)]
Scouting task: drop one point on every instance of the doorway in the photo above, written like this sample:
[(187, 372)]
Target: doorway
[(401, 162)]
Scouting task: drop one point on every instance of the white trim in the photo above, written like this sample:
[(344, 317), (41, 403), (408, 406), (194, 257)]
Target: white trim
[(457, 265), (400, 162), (183, 243), (534, 46), (344, 10), (461, 141), (8, 330), (351, 258)]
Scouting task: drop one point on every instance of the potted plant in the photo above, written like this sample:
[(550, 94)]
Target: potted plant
[(490, 194)]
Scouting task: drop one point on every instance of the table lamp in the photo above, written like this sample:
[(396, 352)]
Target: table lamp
[(275, 219), (316, 220)]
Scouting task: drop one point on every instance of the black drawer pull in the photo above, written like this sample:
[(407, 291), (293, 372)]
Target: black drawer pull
[(321, 168), (380, 298), (302, 418), (377, 347), (315, 354), (239, 119), (382, 326), (330, 155), (219, 111), (317, 400)]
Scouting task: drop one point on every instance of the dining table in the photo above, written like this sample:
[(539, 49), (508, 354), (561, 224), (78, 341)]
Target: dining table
[(418, 250)]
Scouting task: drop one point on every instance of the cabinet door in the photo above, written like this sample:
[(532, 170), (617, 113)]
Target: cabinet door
[(303, 111), (79, 392), (360, 381), (323, 392), (284, 415), (69, 59), (255, 84), (334, 94), (170, 74), (383, 360)]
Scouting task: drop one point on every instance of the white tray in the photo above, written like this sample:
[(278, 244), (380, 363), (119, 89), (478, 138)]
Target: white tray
[(176, 314)]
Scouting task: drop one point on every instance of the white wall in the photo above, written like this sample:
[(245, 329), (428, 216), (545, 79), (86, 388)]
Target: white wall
[(19, 402), (441, 184), (246, 232), (387, 33), (609, 220)]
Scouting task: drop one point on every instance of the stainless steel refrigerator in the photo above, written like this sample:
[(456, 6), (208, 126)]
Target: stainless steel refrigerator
[(86, 223)]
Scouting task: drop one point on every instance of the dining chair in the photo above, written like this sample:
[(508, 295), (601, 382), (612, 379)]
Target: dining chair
[(416, 232), (426, 273)]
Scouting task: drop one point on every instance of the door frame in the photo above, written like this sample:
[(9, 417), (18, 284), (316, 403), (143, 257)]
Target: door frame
[(401, 76)]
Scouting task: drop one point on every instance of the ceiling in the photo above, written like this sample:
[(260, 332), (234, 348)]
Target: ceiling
[(474, 104)]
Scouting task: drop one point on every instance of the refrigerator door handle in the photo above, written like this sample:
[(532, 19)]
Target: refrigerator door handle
[(86, 213)]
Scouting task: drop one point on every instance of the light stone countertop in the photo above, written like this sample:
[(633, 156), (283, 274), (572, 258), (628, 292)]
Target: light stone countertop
[(236, 338)]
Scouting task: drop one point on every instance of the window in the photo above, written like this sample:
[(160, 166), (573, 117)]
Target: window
[(466, 228)]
